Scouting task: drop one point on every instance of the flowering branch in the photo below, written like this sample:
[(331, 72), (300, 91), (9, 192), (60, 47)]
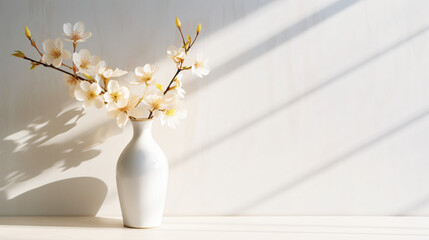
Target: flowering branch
[(59, 69), (97, 87)]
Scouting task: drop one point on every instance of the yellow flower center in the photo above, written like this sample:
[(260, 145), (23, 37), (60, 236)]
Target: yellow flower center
[(125, 109), (198, 64), (170, 112), (84, 64), (115, 96), (55, 53), (75, 36), (146, 78), (72, 81), (156, 104), (91, 95)]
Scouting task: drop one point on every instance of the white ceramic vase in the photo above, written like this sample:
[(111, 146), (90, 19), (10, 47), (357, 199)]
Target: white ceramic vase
[(141, 177)]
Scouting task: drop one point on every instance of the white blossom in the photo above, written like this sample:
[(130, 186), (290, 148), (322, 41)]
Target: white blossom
[(123, 114), (177, 88), (116, 96), (172, 116), (200, 67), (54, 53), (76, 33), (145, 74), (86, 63), (177, 54), (104, 73), (156, 100), (71, 82), (89, 93)]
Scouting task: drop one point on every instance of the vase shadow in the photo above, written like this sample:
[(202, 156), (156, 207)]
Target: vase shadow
[(32, 149), (81, 196)]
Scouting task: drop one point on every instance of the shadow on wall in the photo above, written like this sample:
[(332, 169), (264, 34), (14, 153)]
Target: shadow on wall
[(29, 155), (27, 140), (58, 197), (32, 150)]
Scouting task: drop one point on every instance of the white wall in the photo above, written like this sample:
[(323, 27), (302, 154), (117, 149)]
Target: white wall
[(312, 108)]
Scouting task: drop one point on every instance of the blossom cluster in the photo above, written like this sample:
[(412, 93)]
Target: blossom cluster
[(93, 83)]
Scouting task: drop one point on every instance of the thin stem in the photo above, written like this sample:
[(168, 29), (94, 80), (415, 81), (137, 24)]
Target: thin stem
[(181, 34), (179, 69), (193, 41), (168, 88), (144, 93), (172, 80), (59, 69), (33, 43), (74, 66), (65, 65), (150, 114)]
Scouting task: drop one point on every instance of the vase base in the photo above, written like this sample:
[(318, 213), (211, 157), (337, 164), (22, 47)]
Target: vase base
[(141, 227)]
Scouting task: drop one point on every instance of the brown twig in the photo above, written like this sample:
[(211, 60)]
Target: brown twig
[(193, 41), (181, 34), (33, 43), (179, 69), (74, 66), (59, 69), (65, 65)]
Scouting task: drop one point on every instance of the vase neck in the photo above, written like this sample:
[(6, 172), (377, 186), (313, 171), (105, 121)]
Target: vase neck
[(142, 128)]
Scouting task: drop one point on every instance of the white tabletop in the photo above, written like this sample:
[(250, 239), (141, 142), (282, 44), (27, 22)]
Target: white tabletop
[(205, 228)]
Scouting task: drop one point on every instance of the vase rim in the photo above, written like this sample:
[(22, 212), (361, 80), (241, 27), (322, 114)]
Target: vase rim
[(141, 120)]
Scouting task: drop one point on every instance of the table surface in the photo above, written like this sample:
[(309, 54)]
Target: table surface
[(205, 228)]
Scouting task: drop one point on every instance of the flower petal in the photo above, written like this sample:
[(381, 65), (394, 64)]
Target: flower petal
[(122, 119), (85, 36), (139, 71), (94, 59), (111, 106), (122, 103), (57, 62), (66, 54), (98, 102), (118, 73), (125, 92), (68, 28), (59, 44), (48, 44), (137, 83), (76, 59), (47, 58), (80, 95), (95, 87), (85, 86), (86, 103), (79, 27), (113, 86), (171, 50), (84, 53)]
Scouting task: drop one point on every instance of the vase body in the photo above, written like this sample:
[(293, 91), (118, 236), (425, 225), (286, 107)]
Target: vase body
[(141, 177)]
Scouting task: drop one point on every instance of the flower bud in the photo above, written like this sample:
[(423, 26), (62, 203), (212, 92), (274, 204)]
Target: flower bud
[(159, 86), (27, 32), (33, 66), (198, 28), (178, 23), (19, 54)]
